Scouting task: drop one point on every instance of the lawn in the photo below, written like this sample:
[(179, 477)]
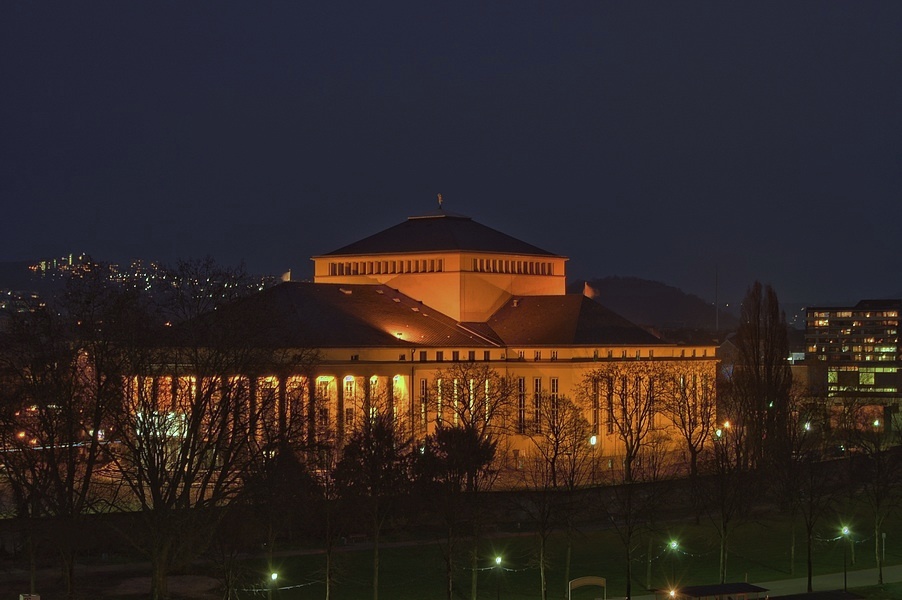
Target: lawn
[(760, 550)]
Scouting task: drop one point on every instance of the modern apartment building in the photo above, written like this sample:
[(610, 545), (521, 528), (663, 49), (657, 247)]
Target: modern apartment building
[(854, 354)]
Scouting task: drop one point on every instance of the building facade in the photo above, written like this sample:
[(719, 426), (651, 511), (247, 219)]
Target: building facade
[(431, 315), (853, 354)]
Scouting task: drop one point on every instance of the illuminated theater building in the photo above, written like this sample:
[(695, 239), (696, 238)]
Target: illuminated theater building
[(389, 312)]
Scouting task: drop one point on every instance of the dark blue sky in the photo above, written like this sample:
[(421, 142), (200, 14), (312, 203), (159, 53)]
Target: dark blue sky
[(657, 139)]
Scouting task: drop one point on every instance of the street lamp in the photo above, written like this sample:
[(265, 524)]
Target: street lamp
[(593, 441), (272, 581), (845, 535), (674, 545), (498, 577)]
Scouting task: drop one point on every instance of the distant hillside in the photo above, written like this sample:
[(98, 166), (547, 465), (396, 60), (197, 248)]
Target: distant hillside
[(653, 304), (16, 276)]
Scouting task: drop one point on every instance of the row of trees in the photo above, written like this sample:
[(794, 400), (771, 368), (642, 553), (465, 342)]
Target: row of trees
[(81, 435), (184, 457)]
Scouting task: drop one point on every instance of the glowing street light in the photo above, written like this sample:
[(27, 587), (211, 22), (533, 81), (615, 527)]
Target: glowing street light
[(498, 576), (273, 577), (593, 441), (845, 535), (674, 545)]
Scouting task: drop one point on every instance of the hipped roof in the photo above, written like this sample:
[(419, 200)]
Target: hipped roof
[(317, 315), (439, 231)]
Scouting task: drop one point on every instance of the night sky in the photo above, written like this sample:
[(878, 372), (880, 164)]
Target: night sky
[(663, 140)]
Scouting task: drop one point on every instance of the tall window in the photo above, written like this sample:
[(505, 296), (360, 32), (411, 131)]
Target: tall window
[(521, 405), (553, 398), (610, 419), (424, 397), (350, 400), (438, 401), (652, 409), (595, 406), (537, 403), (455, 399)]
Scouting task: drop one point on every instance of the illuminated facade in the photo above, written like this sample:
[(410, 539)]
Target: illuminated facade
[(393, 313), (854, 350)]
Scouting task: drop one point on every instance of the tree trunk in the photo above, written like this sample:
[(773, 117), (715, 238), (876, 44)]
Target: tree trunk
[(542, 566), (792, 548), (877, 554), (159, 571), (376, 558), (629, 573), (449, 564), (809, 563), (474, 565), (328, 570), (723, 556), (568, 556), (32, 564), (67, 558)]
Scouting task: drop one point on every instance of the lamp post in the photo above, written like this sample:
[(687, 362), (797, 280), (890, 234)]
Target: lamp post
[(593, 441), (845, 580), (272, 581), (498, 577), (674, 545)]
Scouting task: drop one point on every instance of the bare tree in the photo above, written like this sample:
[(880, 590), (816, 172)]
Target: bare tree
[(449, 459), (630, 504), (561, 458), (477, 399), (375, 469), (728, 486), (632, 391), (190, 427), (689, 401), (762, 378), (805, 484), (878, 469), (64, 364)]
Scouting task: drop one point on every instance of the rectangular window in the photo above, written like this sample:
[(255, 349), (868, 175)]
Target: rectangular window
[(422, 356), (553, 397), (537, 403), (455, 355), (349, 417), (439, 356), (595, 406), (554, 355), (538, 355), (610, 419), (521, 405), (439, 399), (471, 355), (455, 399), (424, 398), (486, 355), (650, 395)]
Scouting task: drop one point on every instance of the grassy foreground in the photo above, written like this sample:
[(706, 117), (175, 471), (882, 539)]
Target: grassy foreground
[(760, 550)]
